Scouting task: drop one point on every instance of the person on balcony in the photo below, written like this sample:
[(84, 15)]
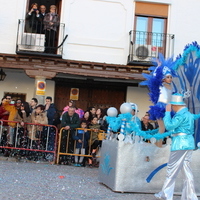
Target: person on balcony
[(31, 19), (40, 17), (51, 23)]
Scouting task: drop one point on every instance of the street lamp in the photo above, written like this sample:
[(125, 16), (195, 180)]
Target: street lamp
[(2, 75)]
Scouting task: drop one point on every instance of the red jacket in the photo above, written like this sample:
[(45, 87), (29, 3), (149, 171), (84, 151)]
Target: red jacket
[(3, 115)]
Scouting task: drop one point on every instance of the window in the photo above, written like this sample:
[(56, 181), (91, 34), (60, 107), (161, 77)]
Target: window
[(150, 30), (151, 25)]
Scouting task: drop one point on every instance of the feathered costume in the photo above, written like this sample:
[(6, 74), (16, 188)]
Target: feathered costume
[(186, 79), (187, 67), (159, 94)]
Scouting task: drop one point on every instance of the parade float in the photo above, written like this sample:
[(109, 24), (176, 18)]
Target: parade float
[(130, 164)]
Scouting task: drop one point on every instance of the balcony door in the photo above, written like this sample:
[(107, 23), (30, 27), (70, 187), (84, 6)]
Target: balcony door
[(150, 27), (150, 30)]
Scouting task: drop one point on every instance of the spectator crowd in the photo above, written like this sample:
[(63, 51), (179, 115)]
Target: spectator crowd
[(32, 126)]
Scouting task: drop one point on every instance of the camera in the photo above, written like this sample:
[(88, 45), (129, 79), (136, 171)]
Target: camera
[(35, 9)]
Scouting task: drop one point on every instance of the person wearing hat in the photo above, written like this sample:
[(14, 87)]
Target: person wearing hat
[(159, 82), (134, 114), (182, 125)]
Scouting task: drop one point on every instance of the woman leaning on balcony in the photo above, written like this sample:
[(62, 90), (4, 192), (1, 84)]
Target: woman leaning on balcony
[(51, 23)]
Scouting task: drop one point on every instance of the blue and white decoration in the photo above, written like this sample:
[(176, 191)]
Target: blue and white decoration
[(125, 160), (129, 130), (106, 168), (187, 67)]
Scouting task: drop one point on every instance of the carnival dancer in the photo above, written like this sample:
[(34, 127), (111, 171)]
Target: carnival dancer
[(182, 125), (134, 114), (160, 86)]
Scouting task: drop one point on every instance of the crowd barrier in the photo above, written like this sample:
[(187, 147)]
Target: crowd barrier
[(31, 140), (66, 144)]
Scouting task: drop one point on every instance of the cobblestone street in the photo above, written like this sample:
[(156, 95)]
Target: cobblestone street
[(43, 181)]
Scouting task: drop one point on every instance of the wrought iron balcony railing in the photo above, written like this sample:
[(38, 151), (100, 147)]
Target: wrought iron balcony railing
[(38, 41), (146, 45)]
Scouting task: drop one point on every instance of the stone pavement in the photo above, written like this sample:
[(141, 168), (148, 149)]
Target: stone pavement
[(43, 181)]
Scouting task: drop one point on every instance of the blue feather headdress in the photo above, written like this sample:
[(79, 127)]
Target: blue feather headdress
[(157, 74)]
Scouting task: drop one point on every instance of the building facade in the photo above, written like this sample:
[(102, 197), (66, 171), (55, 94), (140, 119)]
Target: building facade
[(101, 47)]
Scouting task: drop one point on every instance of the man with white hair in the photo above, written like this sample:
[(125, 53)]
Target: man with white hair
[(70, 121)]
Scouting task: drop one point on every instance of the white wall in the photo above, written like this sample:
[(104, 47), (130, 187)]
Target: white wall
[(16, 82), (98, 30), (11, 12), (184, 23), (139, 96)]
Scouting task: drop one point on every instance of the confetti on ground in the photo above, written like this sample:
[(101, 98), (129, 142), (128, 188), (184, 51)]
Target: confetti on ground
[(36, 181)]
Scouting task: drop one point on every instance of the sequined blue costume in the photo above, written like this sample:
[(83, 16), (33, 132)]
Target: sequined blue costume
[(182, 127)]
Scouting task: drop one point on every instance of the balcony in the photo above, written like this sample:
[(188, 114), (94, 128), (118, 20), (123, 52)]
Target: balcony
[(40, 42), (144, 46)]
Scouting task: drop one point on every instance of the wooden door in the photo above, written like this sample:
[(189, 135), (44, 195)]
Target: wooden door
[(101, 95)]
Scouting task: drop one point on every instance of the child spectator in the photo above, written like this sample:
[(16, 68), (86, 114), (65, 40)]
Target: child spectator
[(72, 103), (94, 140), (81, 138)]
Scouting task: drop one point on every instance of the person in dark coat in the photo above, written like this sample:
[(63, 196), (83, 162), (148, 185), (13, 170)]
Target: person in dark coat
[(51, 111), (31, 19), (145, 124), (70, 121), (40, 17)]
